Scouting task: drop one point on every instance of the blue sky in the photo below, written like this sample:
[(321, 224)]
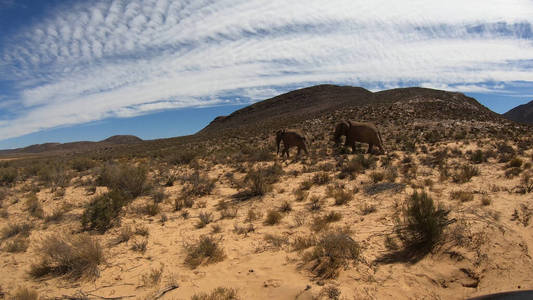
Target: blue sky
[(85, 70)]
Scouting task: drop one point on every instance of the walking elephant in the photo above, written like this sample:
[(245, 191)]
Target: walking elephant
[(358, 132), (290, 139)]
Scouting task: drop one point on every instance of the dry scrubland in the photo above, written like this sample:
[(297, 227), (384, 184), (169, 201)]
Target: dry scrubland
[(445, 214)]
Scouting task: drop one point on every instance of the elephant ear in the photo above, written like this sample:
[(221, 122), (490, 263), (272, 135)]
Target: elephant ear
[(347, 123)]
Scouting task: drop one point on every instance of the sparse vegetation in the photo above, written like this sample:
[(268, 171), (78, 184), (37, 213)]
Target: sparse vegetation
[(273, 217), (334, 250), (204, 218), (73, 256), (465, 173), (206, 251), (220, 293), (102, 212), (24, 293), (463, 196)]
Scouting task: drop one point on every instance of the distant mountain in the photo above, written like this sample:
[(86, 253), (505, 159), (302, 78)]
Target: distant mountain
[(74, 146), (522, 113)]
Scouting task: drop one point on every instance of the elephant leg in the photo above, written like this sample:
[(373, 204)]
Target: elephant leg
[(370, 146)]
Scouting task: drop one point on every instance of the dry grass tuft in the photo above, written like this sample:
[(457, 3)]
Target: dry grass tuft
[(72, 256), (205, 251), (220, 293)]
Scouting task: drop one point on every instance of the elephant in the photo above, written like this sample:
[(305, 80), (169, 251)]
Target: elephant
[(358, 132), (291, 138)]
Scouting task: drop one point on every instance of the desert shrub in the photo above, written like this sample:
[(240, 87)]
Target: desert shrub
[(357, 165), (8, 175), (423, 223), (183, 202), (55, 174), (316, 203), (102, 212), (331, 292), (139, 245), (150, 208), (220, 293), (321, 178), (301, 242), (56, 215), (514, 163), (526, 182), (391, 173), (22, 229), (182, 157), (334, 250), (198, 185), (205, 251), (153, 278), (81, 164), (215, 228), (320, 223), (229, 213), (368, 209), (300, 195), (277, 241), (25, 293), (486, 200), (259, 181), (158, 195), (478, 157), (73, 256), (465, 173), (273, 217), (462, 196), (124, 235), (18, 244), (306, 185), (129, 180), (340, 195), (377, 176), (285, 207), (33, 206), (512, 172), (204, 218)]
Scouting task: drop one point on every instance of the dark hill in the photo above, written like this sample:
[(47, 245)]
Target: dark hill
[(522, 113), (316, 101), (123, 139)]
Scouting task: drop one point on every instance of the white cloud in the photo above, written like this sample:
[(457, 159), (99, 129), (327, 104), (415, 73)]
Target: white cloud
[(116, 58)]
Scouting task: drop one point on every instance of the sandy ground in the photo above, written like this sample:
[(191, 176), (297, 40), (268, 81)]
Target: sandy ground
[(495, 257)]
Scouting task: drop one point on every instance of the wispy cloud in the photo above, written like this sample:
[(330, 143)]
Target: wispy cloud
[(124, 58)]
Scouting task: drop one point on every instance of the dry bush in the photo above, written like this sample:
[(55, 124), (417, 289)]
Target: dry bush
[(463, 196), (243, 230), (18, 244), (285, 207), (300, 195), (158, 195), (512, 172), (259, 182), (423, 223), (25, 293), (526, 182), (198, 185), (139, 245), (215, 228), (273, 217), (331, 292), (277, 241), (33, 206), (103, 211), (321, 178), (377, 176), (316, 203), (8, 175), (204, 218), (253, 215), (129, 180), (183, 202), (320, 223), (182, 158), (303, 242), (142, 230), (55, 174), (478, 157), (486, 200), (340, 195), (72, 256), (149, 208), (81, 164), (124, 235), (153, 278), (465, 173), (368, 209), (22, 229), (220, 293), (514, 163), (229, 213), (205, 251), (306, 185), (334, 250)]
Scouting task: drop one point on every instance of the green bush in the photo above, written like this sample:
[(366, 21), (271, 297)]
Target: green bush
[(81, 164), (129, 180), (103, 211), (423, 223), (8, 175)]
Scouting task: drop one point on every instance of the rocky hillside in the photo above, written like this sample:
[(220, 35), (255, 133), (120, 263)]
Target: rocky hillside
[(522, 113), (320, 100)]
